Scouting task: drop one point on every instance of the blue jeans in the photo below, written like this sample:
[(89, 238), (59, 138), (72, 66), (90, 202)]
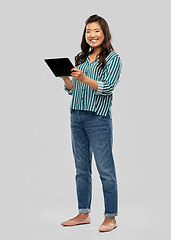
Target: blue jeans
[(93, 133)]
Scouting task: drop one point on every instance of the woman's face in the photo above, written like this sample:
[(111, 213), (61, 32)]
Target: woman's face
[(94, 35)]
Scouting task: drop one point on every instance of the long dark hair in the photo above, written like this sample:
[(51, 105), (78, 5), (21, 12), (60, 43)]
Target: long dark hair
[(105, 47)]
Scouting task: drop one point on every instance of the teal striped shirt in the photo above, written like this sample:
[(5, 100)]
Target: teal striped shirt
[(100, 101)]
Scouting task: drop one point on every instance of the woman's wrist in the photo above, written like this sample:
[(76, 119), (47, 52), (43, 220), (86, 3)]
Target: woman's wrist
[(68, 82), (66, 78)]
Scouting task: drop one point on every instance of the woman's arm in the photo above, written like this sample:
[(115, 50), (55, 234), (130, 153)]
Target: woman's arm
[(106, 85), (111, 77), (68, 83), (80, 76), (91, 82)]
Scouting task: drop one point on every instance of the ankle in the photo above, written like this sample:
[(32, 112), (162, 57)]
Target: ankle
[(110, 217), (83, 214)]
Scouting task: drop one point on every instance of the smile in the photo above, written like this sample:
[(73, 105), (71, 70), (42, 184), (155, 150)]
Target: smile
[(94, 40)]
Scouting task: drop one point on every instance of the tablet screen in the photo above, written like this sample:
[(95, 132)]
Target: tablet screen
[(60, 67)]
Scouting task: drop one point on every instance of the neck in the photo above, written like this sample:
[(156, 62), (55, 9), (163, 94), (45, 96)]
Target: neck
[(96, 51)]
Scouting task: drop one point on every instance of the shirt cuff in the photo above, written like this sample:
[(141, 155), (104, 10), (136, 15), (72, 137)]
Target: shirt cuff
[(100, 88), (70, 92)]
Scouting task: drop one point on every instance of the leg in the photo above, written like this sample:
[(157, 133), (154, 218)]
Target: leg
[(83, 161), (99, 131), (101, 139)]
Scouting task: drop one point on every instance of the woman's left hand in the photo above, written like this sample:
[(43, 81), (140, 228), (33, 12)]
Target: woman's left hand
[(78, 74)]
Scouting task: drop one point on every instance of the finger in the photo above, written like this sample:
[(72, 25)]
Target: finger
[(74, 75), (74, 69)]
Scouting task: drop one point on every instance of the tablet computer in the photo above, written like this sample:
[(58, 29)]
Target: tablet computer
[(61, 67)]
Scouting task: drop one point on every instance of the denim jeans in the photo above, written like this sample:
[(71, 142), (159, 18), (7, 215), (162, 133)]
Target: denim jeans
[(93, 133)]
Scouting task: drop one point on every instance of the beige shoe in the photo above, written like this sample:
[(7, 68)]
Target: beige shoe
[(74, 223), (104, 228)]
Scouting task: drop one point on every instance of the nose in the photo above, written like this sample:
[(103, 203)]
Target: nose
[(92, 34)]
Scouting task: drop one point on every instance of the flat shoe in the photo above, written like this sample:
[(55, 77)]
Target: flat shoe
[(74, 223), (104, 228)]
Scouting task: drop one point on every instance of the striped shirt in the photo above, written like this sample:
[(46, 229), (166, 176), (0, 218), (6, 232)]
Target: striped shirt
[(100, 101)]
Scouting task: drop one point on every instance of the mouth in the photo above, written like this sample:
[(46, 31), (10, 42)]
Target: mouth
[(93, 40)]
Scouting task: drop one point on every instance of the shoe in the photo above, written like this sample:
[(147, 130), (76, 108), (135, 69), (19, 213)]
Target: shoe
[(104, 228), (74, 223)]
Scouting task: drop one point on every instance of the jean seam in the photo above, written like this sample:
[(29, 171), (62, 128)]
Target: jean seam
[(110, 146), (88, 166)]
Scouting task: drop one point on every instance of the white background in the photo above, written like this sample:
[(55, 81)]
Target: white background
[(37, 186)]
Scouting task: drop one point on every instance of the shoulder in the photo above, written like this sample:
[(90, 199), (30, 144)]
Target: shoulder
[(112, 56)]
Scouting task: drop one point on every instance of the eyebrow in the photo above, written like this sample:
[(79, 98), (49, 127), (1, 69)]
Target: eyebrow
[(94, 29)]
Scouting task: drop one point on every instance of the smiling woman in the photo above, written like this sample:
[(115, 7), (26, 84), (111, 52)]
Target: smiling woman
[(96, 28), (94, 78)]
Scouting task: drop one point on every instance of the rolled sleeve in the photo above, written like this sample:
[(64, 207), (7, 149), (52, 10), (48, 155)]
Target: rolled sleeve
[(111, 77), (70, 92)]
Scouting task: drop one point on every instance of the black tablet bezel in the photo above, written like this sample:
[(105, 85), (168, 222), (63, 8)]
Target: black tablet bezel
[(61, 67)]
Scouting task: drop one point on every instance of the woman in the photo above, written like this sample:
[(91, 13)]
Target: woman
[(94, 78)]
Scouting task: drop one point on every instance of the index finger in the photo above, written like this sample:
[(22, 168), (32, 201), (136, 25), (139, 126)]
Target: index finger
[(74, 69)]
